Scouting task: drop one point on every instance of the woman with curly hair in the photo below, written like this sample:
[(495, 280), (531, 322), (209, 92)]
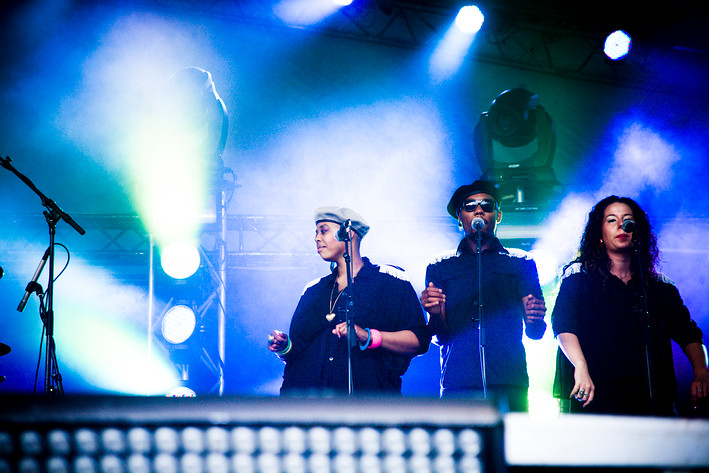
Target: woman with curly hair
[(615, 317)]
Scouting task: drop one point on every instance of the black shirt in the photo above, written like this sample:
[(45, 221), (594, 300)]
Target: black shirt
[(610, 322), (317, 361), (507, 278)]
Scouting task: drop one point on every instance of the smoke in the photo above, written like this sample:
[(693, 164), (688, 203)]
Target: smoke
[(643, 161), (685, 260), (132, 63), (382, 159), (304, 12), (100, 328), (449, 54), (389, 161), (564, 228)]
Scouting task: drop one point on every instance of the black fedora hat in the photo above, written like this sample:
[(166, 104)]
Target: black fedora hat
[(477, 187)]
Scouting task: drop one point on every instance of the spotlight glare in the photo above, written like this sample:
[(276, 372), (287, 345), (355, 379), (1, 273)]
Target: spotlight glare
[(178, 324), (546, 266), (180, 260), (469, 19), (301, 13), (181, 391), (617, 45)]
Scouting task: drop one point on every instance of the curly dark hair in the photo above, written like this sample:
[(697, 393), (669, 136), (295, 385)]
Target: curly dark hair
[(592, 254)]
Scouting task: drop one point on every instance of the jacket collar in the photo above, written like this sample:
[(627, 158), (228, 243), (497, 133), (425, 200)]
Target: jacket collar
[(367, 271), (495, 247)]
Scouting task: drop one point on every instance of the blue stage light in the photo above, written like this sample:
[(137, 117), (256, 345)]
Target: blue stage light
[(617, 45), (470, 19), (178, 324), (180, 260)]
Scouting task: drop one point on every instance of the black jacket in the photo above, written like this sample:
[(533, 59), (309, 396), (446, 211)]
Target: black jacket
[(317, 361)]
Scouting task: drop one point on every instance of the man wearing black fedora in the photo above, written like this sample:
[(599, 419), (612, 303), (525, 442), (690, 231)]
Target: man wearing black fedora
[(482, 353)]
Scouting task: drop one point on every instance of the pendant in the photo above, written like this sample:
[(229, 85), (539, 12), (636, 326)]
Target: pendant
[(330, 317)]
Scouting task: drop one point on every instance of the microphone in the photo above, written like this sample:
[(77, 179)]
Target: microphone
[(31, 286), (344, 231), (478, 224), (628, 226)]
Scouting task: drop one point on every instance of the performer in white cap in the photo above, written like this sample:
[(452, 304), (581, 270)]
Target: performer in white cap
[(389, 324)]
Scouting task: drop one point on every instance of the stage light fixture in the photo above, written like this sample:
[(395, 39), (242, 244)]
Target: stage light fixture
[(185, 315), (213, 435), (515, 143), (178, 324), (469, 19), (617, 45), (180, 260)]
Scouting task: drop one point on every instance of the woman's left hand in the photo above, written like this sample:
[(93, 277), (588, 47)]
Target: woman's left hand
[(341, 331), (699, 389)]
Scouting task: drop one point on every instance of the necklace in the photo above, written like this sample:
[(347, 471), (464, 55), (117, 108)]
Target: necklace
[(625, 279), (331, 316)]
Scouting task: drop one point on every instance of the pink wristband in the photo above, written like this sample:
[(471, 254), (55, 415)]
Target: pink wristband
[(376, 338)]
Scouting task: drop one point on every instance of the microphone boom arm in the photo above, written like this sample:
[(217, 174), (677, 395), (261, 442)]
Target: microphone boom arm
[(46, 201)]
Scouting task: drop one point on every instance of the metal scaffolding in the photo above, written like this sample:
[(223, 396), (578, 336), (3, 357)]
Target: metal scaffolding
[(560, 40)]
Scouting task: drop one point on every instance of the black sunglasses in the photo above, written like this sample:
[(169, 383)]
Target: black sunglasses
[(488, 205)]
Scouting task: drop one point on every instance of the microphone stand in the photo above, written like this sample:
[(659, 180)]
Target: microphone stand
[(481, 323), (646, 322), (349, 318), (52, 378)]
